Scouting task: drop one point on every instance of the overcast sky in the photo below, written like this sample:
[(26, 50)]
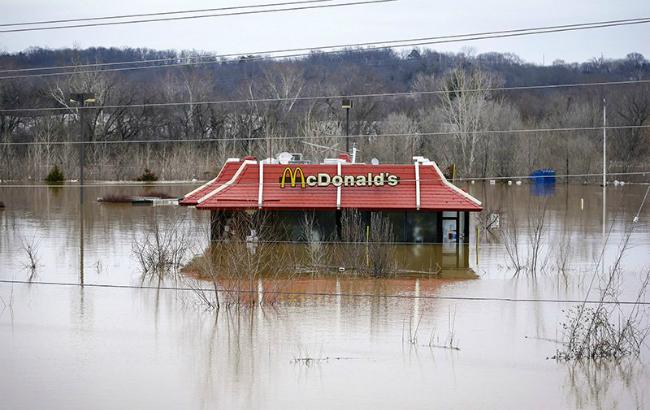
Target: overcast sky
[(399, 20)]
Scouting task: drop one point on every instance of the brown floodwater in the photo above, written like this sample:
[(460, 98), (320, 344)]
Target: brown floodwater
[(119, 347)]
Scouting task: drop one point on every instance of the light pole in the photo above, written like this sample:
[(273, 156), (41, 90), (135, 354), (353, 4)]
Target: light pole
[(347, 104), (604, 181), (82, 99)]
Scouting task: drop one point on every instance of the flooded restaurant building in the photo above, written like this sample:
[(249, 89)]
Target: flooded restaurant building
[(421, 213)]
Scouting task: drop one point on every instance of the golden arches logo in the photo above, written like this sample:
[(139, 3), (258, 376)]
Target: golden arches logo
[(293, 176)]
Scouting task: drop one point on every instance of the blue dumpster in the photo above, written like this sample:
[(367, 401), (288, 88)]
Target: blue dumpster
[(542, 182)]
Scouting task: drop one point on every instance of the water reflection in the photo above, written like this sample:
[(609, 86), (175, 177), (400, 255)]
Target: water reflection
[(81, 235), (600, 384)]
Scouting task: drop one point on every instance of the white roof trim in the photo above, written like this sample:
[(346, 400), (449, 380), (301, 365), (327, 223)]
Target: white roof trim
[(210, 181), (204, 185), (260, 189), (417, 184), (227, 184), (454, 187), (338, 188)]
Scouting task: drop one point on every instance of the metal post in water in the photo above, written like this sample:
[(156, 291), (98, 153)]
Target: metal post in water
[(82, 158), (81, 241), (367, 245), (604, 240), (82, 99), (604, 169), (478, 242), (82, 143)]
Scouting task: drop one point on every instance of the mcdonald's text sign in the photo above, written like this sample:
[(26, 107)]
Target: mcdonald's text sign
[(296, 177)]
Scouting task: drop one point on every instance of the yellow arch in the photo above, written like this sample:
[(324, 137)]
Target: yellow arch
[(293, 175)]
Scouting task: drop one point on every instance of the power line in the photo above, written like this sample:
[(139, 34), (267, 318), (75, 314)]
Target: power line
[(163, 13), (312, 137), (326, 294), (45, 229), (157, 184), (161, 184), (46, 233), (333, 97), (341, 48), (236, 13)]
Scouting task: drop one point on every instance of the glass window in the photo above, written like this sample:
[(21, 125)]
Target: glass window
[(422, 227), (398, 223)]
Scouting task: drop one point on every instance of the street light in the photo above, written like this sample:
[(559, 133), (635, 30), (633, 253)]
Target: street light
[(83, 99), (346, 103)]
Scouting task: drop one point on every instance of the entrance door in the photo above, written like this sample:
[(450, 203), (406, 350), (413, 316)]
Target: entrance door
[(450, 238)]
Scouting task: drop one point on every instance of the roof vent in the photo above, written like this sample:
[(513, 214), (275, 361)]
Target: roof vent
[(421, 159), (291, 158), (284, 157), (296, 158)]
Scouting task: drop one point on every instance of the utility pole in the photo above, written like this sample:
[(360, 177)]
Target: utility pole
[(604, 168), (604, 240), (82, 99), (347, 104)]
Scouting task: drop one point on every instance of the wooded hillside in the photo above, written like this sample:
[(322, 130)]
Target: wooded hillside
[(458, 113)]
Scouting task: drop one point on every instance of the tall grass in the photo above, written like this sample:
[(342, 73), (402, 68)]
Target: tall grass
[(526, 254), (606, 331)]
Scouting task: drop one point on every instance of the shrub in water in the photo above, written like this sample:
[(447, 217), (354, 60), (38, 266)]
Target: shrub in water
[(147, 176), (55, 176)]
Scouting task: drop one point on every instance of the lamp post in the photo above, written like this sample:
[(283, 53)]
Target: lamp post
[(346, 103), (82, 99)]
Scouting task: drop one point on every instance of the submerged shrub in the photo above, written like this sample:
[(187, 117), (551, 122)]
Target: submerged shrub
[(367, 245), (606, 331), (147, 176), (246, 267), (114, 198), (592, 333), (162, 249), (55, 176)]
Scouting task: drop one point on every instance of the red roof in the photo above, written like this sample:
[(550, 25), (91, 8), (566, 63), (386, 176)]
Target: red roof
[(238, 187)]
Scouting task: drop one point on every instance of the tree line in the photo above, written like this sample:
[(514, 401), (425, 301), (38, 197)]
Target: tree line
[(456, 112)]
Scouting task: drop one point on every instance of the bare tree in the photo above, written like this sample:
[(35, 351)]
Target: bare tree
[(463, 104), (630, 145), (405, 142)]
